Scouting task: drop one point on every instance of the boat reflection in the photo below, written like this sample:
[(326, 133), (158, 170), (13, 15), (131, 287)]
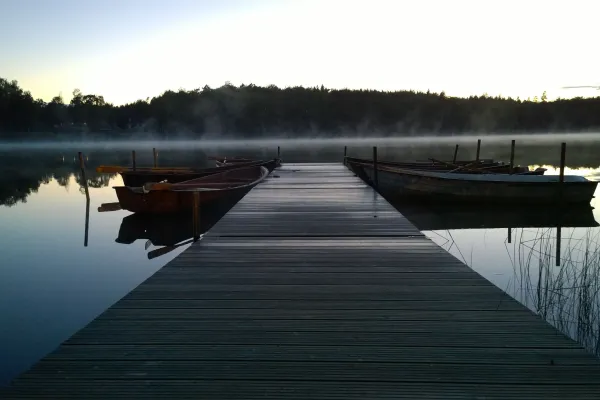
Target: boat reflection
[(432, 217), (169, 232)]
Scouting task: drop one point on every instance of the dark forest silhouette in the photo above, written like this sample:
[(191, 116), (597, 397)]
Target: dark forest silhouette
[(253, 111)]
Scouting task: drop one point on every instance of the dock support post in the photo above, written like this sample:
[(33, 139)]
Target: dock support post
[(455, 154), (561, 176), (375, 178), (345, 153), (509, 235), (478, 149), (155, 156), (563, 156), (133, 159), (196, 215), (512, 156)]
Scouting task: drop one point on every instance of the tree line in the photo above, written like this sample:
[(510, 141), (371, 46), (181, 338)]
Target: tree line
[(255, 111)]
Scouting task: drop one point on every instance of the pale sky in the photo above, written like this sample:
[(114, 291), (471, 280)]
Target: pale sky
[(131, 49)]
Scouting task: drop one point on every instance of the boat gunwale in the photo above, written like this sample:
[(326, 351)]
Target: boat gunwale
[(264, 173), (520, 179)]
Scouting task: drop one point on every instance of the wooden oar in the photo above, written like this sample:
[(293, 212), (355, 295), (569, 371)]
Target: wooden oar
[(109, 207), (113, 169), (466, 166), (167, 249)]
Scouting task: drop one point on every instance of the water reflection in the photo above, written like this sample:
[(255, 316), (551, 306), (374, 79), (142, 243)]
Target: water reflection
[(169, 232), (518, 249), (48, 279)]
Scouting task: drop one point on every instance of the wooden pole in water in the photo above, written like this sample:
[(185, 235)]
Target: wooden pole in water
[(155, 155), (509, 235), (478, 149), (133, 159), (375, 178), (512, 156), (455, 154), (345, 153), (195, 215), (563, 156), (278, 152)]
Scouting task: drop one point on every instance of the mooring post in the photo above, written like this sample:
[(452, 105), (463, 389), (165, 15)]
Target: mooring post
[(455, 154), (509, 235), (478, 149), (561, 176), (196, 215), (375, 178), (512, 156), (278, 152), (563, 156), (155, 155), (133, 159), (345, 153)]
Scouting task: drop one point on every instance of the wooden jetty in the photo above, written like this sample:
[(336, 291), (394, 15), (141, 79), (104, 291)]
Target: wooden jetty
[(313, 286)]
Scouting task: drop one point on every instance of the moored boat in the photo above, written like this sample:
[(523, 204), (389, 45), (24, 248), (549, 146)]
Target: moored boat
[(140, 177), (482, 188), (225, 161), (161, 198), (463, 167)]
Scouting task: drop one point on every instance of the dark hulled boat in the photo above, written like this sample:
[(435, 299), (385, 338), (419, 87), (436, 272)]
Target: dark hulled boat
[(227, 161), (463, 167), (140, 177), (161, 198), (439, 186)]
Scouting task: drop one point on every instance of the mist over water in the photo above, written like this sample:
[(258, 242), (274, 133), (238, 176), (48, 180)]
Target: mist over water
[(183, 143)]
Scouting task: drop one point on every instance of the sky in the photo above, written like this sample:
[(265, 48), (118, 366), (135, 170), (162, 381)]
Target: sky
[(133, 49)]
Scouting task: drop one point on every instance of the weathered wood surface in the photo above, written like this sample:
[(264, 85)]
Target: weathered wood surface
[(314, 287)]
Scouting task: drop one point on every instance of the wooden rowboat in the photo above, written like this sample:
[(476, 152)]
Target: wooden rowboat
[(463, 167), (162, 198), (482, 188), (225, 161), (139, 178)]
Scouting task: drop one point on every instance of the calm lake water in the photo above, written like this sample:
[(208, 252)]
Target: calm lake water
[(62, 265)]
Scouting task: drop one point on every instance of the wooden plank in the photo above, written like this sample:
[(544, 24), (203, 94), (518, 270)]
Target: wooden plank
[(371, 353), (243, 306), (269, 389), (478, 340), (313, 286), (315, 371), (339, 224), (384, 316)]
